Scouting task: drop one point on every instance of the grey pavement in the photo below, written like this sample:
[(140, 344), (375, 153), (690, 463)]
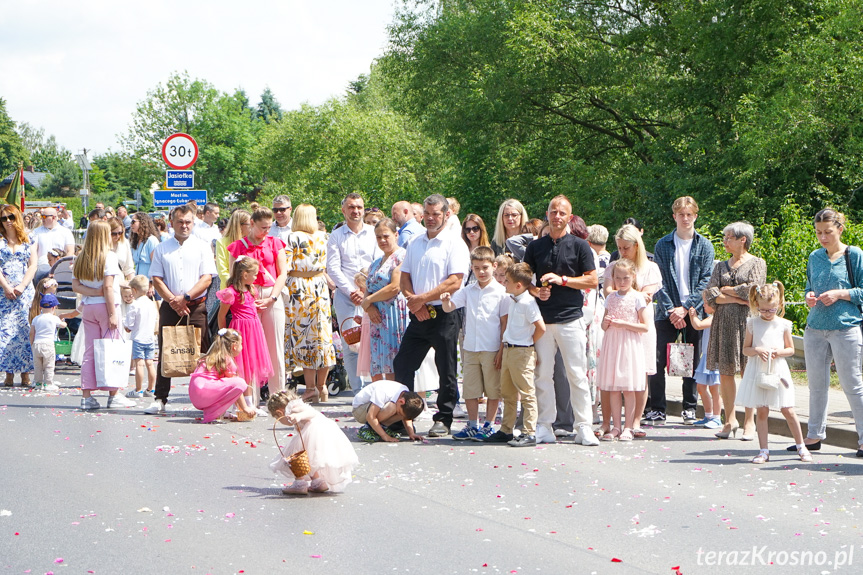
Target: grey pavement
[(123, 492)]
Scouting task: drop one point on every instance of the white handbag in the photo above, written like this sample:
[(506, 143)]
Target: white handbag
[(768, 379)]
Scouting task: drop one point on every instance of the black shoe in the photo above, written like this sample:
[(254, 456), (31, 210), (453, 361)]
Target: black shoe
[(860, 453), (498, 437), (265, 394), (523, 440), (689, 416), (814, 447), (438, 430)]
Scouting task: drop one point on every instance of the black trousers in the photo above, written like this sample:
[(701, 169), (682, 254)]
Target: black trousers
[(440, 334), (666, 333), (167, 316)]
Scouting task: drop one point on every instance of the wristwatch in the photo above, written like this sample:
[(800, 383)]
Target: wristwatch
[(187, 297), (274, 297), (563, 280)]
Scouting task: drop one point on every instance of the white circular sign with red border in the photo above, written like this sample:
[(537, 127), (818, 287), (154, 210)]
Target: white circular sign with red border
[(180, 151)]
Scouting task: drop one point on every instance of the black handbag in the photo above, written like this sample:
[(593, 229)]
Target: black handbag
[(851, 275)]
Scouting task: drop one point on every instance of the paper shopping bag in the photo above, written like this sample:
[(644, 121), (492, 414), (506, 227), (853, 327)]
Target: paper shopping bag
[(181, 347), (112, 358), (679, 359)]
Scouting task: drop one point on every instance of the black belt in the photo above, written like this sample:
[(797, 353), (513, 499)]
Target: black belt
[(514, 345)]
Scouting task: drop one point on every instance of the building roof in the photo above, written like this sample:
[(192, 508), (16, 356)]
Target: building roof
[(31, 178)]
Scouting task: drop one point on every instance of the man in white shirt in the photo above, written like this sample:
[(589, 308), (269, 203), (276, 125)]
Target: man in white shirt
[(435, 263), (182, 269), (207, 230), (403, 216), (65, 219), (351, 248), (48, 236), (281, 228)]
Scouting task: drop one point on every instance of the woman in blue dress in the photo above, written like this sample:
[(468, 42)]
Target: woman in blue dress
[(386, 306), (143, 239), (18, 266)]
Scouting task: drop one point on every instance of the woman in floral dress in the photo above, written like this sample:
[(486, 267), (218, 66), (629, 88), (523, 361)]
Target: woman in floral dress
[(309, 333), (386, 306), (18, 266)]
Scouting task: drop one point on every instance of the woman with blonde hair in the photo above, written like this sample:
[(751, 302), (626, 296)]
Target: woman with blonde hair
[(18, 263), (511, 221), (96, 276), (309, 330), (648, 279)]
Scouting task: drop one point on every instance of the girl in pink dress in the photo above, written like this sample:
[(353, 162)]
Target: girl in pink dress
[(214, 386), (621, 363), (253, 364)]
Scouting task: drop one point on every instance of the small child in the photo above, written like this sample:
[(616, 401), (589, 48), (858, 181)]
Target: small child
[(621, 368), (43, 330), (523, 326), (486, 303), (707, 380), (253, 364), (384, 407), (768, 337), (214, 387), (331, 456), (141, 317), (501, 264), (46, 285)]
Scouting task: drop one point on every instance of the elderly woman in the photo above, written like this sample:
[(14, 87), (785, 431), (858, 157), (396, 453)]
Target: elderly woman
[(272, 274), (834, 294), (17, 268), (510, 225), (648, 278), (728, 293)]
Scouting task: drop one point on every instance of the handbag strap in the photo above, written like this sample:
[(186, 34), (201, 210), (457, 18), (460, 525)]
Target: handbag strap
[(850, 271), (186, 317)]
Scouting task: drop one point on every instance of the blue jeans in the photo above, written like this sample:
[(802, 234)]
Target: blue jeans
[(845, 348)]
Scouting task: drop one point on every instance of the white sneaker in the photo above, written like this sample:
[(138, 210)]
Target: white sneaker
[(50, 387), (459, 412), (156, 407), (544, 435), (563, 433), (585, 436), (119, 400)]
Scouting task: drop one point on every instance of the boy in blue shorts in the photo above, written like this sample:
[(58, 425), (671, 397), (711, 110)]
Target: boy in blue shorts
[(141, 320)]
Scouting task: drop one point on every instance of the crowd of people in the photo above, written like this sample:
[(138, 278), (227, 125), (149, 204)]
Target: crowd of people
[(531, 312)]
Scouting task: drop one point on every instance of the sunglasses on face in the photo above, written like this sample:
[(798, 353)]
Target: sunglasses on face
[(116, 234), (280, 210), (9, 218), (472, 230)]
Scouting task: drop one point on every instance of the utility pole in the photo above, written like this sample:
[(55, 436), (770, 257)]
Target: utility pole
[(84, 164)]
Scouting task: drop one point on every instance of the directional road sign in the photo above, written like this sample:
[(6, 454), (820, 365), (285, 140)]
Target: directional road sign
[(174, 198), (180, 179)]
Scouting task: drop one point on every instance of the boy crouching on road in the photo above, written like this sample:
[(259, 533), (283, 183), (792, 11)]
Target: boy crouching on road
[(385, 407)]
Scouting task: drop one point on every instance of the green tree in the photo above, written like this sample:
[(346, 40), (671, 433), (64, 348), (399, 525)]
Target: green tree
[(268, 108), (46, 155), (123, 174), (12, 150), (64, 182)]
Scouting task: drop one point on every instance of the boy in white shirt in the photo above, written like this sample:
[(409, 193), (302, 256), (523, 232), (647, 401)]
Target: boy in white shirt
[(141, 321), (486, 303), (43, 329), (524, 326), (384, 405)]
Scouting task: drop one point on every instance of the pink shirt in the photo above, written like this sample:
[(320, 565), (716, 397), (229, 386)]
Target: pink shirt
[(267, 253)]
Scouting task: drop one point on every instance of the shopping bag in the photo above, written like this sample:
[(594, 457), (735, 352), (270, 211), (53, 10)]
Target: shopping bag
[(679, 359), (181, 348), (112, 358)]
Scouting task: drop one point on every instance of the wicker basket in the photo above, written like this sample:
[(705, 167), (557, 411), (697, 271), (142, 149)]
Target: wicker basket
[(351, 335), (299, 461)]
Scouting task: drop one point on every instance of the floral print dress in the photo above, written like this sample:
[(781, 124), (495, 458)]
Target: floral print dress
[(386, 337), (309, 333), (16, 355)]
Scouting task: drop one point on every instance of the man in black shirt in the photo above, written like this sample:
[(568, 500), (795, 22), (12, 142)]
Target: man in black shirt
[(564, 265)]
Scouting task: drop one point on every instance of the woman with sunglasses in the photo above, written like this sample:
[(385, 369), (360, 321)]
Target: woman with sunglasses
[(511, 220), (120, 246), (18, 264), (474, 235), (143, 239), (728, 294)]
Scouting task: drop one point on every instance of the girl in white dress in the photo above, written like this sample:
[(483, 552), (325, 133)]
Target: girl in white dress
[(621, 363), (768, 338)]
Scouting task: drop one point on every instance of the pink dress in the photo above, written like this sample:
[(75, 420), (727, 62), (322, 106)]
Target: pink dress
[(213, 394), (253, 363), (621, 363)]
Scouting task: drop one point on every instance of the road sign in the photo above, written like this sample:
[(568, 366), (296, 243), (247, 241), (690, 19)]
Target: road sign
[(180, 151), (180, 179), (174, 198)]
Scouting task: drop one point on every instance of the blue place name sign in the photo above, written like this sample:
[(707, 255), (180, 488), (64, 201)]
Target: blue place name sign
[(180, 179), (174, 198)]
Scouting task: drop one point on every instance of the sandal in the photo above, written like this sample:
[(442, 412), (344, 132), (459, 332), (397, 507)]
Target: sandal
[(762, 457), (639, 433), (626, 435), (610, 435), (804, 454), (601, 431)]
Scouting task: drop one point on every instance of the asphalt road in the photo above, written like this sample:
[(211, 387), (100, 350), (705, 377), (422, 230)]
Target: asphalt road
[(123, 492)]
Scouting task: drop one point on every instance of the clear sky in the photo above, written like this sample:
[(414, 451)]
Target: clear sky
[(79, 68)]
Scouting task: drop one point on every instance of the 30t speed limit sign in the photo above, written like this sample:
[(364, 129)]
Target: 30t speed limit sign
[(180, 151)]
